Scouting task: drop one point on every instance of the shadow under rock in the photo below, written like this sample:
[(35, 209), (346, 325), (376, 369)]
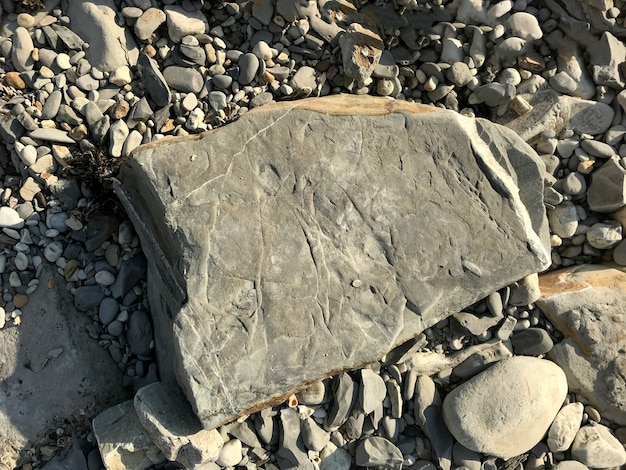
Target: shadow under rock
[(51, 370)]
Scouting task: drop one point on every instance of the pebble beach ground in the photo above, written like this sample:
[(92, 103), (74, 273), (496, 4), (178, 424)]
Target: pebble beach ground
[(72, 110)]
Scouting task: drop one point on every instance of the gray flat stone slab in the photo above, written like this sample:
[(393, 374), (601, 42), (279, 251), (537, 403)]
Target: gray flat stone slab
[(312, 237)]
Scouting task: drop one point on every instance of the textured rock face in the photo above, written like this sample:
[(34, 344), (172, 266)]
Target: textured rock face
[(587, 304), (272, 266)]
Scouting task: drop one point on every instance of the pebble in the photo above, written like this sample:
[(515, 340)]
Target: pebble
[(604, 236), (22, 51), (564, 427), (563, 83), (118, 132), (428, 415), (596, 447), (13, 79), (314, 437), (115, 328), (344, 392), (563, 220), (570, 465), (20, 300), (154, 81), (104, 278), (334, 458), (10, 218), (597, 149), (139, 333), (230, 454), (51, 135), (372, 391), (53, 251), (147, 24), (248, 67), (314, 394), (376, 451), (183, 79), (88, 297), (575, 184), (531, 342), (181, 23)]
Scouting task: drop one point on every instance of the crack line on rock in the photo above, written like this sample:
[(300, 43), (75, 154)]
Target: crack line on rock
[(497, 175), (243, 149)]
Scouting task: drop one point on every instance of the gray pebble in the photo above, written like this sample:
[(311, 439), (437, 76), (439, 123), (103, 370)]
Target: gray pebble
[(563, 83), (261, 99), (184, 79), (531, 342), (575, 184), (376, 451), (130, 273), (108, 310), (563, 219), (313, 437), (597, 148), (115, 328), (222, 82), (217, 100), (525, 26), (52, 104), (87, 297), (154, 81), (21, 53), (386, 67), (248, 67)]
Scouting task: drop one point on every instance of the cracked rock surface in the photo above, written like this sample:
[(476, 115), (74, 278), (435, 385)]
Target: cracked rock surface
[(294, 262)]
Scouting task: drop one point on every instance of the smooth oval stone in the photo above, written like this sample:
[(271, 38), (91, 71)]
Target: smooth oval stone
[(109, 308), (564, 427), (531, 342), (525, 394)]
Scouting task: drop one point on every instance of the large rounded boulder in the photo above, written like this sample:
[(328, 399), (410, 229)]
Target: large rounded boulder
[(507, 409)]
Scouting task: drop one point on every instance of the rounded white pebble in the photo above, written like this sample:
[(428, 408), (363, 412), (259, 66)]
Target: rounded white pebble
[(104, 278)]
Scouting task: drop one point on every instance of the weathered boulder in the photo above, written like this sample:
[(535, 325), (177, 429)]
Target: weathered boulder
[(313, 236), (553, 111), (525, 394), (122, 441), (587, 304)]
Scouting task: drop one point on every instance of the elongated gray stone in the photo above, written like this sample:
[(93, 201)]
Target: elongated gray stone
[(274, 266)]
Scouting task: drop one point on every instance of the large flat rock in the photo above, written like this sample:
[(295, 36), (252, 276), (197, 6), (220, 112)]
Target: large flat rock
[(311, 237), (587, 304)]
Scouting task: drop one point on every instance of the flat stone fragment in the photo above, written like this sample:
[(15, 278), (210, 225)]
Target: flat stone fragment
[(518, 412), (587, 304), (271, 267), (167, 417), (111, 46), (552, 111), (122, 441), (596, 447)]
